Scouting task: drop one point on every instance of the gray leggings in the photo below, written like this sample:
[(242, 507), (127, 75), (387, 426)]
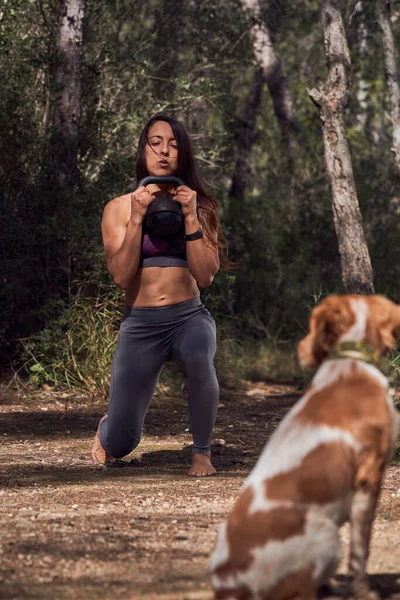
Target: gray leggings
[(148, 338)]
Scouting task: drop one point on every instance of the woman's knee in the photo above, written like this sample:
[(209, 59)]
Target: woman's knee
[(117, 444)]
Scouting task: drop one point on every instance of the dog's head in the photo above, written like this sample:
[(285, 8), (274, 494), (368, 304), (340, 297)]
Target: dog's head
[(371, 319)]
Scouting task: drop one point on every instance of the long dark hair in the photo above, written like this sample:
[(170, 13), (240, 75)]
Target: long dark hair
[(188, 170)]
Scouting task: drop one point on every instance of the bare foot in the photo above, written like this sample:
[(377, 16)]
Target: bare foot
[(98, 454), (201, 466)]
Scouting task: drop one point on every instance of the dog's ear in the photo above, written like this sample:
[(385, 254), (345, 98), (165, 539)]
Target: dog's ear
[(386, 315), (328, 322)]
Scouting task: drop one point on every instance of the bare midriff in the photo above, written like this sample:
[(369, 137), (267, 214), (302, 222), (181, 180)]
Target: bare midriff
[(161, 286)]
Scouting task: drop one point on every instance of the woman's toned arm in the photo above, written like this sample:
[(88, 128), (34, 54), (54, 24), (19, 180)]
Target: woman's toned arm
[(122, 237), (202, 257)]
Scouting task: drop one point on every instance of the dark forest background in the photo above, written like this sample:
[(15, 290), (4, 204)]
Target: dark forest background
[(259, 144)]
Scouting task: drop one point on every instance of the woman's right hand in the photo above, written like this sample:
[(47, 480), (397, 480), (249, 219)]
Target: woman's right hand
[(140, 200)]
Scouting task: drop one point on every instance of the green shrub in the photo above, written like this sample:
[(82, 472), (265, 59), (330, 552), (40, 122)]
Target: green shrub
[(76, 351)]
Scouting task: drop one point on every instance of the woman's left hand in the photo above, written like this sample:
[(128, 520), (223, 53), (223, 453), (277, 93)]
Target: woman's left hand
[(187, 198)]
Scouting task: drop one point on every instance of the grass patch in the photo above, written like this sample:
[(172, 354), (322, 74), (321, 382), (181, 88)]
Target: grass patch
[(394, 375), (76, 353), (274, 361)]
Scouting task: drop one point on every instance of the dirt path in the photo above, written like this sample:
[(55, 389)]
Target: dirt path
[(69, 530)]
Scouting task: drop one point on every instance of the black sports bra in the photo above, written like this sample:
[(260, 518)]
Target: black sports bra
[(166, 251)]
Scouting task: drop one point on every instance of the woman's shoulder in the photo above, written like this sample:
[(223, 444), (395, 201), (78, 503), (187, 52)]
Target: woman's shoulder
[(120, 201), (121, 206)]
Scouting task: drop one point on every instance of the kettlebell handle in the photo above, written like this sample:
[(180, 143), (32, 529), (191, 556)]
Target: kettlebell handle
[(162, 179)]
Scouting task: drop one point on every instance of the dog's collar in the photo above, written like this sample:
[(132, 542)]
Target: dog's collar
[(360, 351)]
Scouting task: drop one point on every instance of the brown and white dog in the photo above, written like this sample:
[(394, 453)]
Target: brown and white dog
[(322, 466)]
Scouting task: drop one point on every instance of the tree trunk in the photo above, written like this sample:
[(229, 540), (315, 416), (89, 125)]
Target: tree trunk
[(272, 74), (59, 202), (389, 52), (331, 101), (67, 98), (274, 77), (244, 141)]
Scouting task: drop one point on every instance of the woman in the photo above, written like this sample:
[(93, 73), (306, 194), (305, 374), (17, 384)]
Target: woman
[(164, 317)]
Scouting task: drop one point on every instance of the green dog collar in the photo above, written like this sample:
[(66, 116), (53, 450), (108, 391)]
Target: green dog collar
[(360, 351)]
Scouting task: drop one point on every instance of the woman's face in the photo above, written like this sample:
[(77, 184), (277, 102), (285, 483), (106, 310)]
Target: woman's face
[(161, 150)]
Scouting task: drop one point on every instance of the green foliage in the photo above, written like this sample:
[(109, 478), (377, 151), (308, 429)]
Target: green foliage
[(394, 362), (194, 60), (76, 351)]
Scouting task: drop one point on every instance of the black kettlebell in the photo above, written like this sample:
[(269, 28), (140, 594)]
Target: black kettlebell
[(164, 215)]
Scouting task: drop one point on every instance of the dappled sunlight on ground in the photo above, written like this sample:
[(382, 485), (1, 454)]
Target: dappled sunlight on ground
[(143, 529)]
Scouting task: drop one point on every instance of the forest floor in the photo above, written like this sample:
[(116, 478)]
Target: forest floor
[(73, 530)]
